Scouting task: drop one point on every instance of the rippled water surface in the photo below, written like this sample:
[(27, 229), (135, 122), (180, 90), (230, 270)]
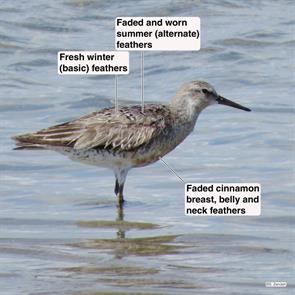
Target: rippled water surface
[(60, 231)]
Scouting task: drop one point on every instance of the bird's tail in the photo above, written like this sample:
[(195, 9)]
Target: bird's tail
[(24, 141)]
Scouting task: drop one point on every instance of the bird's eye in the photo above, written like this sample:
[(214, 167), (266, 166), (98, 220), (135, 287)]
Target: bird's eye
[(205, 91)]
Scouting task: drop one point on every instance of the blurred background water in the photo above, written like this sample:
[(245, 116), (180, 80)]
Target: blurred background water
[(58, 228)]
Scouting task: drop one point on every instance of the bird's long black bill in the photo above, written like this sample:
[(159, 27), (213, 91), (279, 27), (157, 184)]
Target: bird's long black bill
[(227, 102)]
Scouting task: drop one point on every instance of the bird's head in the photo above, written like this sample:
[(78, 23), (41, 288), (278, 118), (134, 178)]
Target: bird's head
[(197, 95)]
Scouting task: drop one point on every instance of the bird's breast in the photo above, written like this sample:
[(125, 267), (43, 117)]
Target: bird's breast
[(159, 147)]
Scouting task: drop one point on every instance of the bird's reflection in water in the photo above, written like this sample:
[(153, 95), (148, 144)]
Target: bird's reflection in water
[(124, 246)]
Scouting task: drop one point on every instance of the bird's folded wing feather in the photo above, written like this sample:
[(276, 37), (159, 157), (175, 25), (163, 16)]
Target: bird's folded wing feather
[(126, 129)]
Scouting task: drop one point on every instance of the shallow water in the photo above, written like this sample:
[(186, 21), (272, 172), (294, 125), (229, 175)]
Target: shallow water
[(60, 230)]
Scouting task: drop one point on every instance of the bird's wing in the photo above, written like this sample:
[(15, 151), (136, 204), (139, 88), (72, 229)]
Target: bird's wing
[(126, 129)]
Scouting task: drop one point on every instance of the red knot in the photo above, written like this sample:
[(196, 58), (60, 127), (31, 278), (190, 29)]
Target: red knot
[(128, 137)]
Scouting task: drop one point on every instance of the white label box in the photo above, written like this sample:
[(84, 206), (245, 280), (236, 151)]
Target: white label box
[(93, 63), (222, 199), (157, 33)]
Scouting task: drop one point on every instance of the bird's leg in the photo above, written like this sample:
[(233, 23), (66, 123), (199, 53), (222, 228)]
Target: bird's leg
[(116, 187), (119, 185), (120, 209), (120, 194), (120, 220)]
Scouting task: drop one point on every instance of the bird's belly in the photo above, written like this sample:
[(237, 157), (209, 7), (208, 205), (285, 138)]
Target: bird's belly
[(97, 157), (108, 159)]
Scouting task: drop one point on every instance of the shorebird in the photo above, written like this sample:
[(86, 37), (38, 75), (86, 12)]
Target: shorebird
[(126, 138)]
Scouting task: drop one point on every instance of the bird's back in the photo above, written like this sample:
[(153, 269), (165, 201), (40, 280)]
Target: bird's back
[(126, 129)]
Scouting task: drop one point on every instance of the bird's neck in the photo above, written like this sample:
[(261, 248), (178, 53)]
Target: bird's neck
[(186, 108)]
